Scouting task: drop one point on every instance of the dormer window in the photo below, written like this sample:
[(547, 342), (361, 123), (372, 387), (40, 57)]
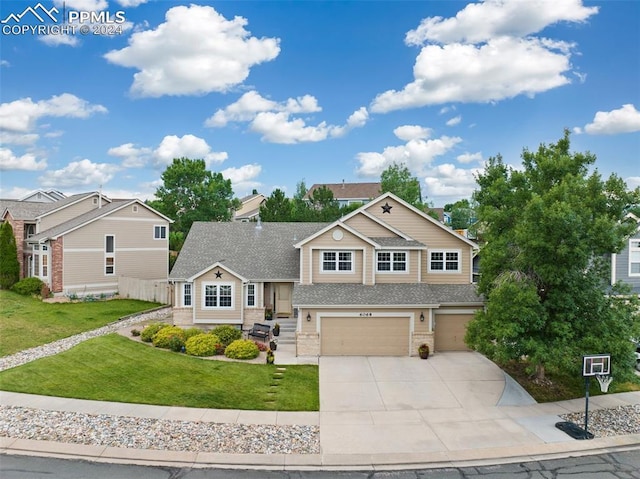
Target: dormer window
[(391, 262)]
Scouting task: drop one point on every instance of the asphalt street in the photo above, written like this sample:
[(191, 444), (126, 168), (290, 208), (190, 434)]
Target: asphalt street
[(617, 465)]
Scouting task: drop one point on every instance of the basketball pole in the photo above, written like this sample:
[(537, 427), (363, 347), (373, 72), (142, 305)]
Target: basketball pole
[(586, 407)]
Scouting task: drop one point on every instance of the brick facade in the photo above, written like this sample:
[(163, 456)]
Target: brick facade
[(57, 260)]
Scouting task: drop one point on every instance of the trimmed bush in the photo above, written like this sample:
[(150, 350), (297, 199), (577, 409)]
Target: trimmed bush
[(227, 334), (28, 286), (261, 346), (165, 338), (202, 345), (149, 331), (242, 349), (191, 332)]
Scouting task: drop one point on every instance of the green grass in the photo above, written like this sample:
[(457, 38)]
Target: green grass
[(557, 387), (26, 322), (114, 368)]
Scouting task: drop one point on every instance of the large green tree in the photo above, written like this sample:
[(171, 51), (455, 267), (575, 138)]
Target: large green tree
[(398, 180), (9, 265), (277, 207), (548, 228), (190, 192)]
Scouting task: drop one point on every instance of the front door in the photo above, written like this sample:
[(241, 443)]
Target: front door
[(283, 299)]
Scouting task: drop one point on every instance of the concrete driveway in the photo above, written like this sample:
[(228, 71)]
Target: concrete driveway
[(445, 380), (404, 407)]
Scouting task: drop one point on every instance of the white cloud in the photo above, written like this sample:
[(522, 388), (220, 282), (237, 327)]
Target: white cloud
[(454, 121), (4, 63), (275, 121), (196, 51), (446, 183), (416, 154), (188, 146), (412, 132), (131, 3), (131, 156), (479, 22), (21, 115), (501, 68), (79, 173), (622, 120), (84, 5), (243, 179), (278, 128), (11, 138), (252, 103), (26, 162), (60, 39), (469, 157), (632, 182)]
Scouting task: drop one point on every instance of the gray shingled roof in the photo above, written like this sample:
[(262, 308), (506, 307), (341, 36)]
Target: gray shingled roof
[(78, 221), (258, 254), (383, 294), (397, 242), (24, 210), (30, 210)]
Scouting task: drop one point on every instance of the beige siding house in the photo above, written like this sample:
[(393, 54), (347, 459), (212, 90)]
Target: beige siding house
[(82, 244), (380, 281)]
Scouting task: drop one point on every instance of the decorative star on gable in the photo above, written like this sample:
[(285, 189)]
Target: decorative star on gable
[(386, 208), (218, 274)]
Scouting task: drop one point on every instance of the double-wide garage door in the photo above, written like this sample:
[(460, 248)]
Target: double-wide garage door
[(368, 336), (450, 330)]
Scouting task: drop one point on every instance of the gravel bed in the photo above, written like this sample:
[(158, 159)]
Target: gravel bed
[(159, 434), (609, 422), (51, 349)]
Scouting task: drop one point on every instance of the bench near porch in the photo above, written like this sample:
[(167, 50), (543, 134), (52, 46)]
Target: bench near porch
[(262, 331)]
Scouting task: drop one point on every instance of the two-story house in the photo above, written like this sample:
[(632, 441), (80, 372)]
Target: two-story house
[(80, 244), (625, 265), (348, 193), (380, 281)]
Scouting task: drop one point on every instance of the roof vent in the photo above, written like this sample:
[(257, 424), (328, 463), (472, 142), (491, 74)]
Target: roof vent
[(258, 224)]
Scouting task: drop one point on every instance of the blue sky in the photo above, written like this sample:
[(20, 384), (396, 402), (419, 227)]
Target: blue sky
[(273, 92)]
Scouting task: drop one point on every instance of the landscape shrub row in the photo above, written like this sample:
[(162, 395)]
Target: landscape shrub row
[(223, 339)]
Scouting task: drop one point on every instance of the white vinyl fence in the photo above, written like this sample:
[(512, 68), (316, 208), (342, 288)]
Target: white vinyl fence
[(145, 289)]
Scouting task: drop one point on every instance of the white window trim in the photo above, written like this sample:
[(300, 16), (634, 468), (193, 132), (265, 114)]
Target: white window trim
[(215, 308), (392, 271), (337, 262), (184, 287), (444, 259), (159, 237), (255, 296), (109, 255), (633, 249)]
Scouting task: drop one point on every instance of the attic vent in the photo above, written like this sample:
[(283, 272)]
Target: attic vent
[(134, 208), (95, 201)]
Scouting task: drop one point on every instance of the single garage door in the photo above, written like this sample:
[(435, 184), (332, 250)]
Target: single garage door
[(450, 330), (373, 336)]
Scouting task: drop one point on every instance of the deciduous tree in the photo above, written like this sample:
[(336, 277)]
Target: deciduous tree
[(191, 193), (548, 229), (398, 180)]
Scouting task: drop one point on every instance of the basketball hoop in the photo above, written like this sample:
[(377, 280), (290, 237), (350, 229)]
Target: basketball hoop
[(604, 381)]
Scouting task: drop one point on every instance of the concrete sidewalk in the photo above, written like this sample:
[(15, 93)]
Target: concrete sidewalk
[(375, 414)]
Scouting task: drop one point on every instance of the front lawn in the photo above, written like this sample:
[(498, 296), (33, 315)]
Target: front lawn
[(562, 387), (27, 322), (114, 368)]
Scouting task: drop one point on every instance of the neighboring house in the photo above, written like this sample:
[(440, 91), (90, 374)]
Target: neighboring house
[(250, 208), (81, 244), (380, 281), (349, 193), (625, 266), (42, 196)]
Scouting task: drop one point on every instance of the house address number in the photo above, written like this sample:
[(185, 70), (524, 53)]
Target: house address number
[(366, 315)]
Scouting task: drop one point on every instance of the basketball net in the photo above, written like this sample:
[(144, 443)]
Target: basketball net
[(604, 382)]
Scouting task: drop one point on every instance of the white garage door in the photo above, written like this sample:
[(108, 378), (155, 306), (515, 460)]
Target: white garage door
[(369, 336), (450, 330)]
